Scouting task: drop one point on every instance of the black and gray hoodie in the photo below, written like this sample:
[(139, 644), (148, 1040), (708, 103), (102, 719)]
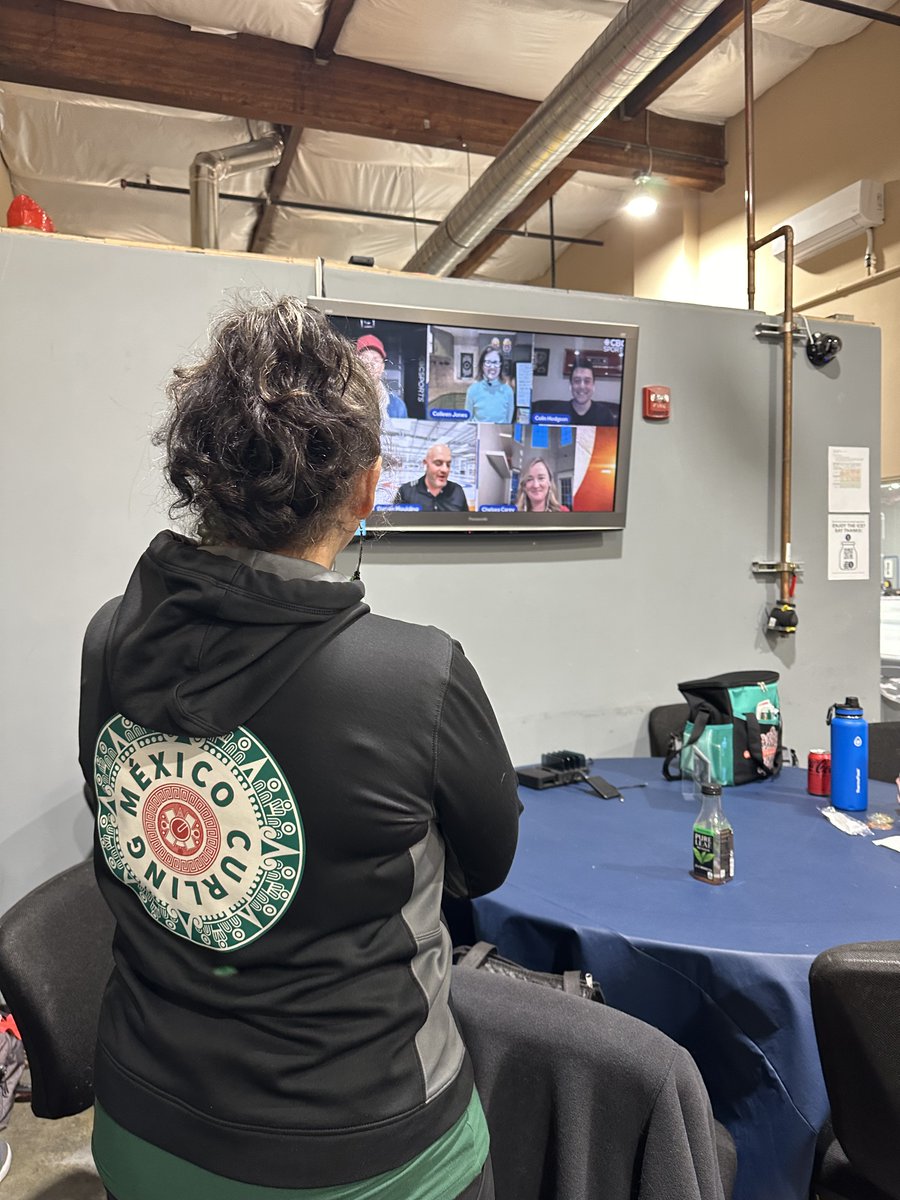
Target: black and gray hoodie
[(285, 785)]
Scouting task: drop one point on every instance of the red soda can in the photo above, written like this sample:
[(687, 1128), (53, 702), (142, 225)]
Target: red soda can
[(818, 773)]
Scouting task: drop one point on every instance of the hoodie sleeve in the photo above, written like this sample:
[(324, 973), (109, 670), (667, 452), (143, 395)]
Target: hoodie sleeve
[(96, 705), (475, 794)]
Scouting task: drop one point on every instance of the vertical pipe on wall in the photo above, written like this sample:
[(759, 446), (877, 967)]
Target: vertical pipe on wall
[(749, 146), (552, 245), (787, 328)]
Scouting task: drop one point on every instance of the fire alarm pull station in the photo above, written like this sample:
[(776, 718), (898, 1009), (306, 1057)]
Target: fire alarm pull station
[(656, 403)]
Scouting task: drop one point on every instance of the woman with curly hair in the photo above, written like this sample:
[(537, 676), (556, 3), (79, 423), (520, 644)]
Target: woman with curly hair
[(285, 784)]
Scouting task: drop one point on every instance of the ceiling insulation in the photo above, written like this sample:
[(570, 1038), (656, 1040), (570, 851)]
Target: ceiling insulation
[(70, 151)]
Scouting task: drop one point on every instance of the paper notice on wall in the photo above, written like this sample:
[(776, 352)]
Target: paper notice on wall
[(848, 479), (848, 547)]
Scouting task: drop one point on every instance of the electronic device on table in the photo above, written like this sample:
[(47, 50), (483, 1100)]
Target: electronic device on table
[(561, 767), (497, 394)]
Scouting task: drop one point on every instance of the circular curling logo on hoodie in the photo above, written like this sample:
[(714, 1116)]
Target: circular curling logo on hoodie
[(205, 831)]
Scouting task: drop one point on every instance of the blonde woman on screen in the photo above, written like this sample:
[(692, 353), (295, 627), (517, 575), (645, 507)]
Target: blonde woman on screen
[(537, 491)]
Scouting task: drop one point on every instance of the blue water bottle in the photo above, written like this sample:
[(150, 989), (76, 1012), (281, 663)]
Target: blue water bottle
[(849, 756)]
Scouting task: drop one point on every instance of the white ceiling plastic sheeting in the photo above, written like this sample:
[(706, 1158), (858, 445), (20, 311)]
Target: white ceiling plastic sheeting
[(392, 177), (296, 21), (519, 47), (70, 151), (785, 34)]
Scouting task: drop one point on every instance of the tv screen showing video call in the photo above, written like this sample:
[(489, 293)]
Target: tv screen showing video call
[(494, 423)]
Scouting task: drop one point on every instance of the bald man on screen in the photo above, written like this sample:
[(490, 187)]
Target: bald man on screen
[(434, 491)]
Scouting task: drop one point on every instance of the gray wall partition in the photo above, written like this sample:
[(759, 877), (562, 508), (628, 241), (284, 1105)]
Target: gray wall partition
[(576, 637)]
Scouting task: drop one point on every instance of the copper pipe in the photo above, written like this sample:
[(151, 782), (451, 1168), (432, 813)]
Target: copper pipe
[(848, 288), (787, 391), (749, 147), (787, 328)]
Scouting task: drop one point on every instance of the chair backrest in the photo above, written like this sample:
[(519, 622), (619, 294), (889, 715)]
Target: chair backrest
[(855, 992), (884, 750), (55, 959), (581, 1097), (664, 721)]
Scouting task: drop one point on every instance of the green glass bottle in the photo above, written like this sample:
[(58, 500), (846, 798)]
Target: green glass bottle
[(713, 839)]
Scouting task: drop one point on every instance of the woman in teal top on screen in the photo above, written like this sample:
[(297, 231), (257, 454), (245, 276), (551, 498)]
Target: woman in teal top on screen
[(489, 399)]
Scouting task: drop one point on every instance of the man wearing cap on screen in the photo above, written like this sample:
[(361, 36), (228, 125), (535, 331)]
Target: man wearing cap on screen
[(372, 355), (434, 491)]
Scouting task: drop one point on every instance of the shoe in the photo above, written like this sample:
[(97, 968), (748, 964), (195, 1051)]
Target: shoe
[(5, 1159)]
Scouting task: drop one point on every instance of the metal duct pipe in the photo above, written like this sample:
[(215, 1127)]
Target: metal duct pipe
[(638, 38), (208, 170)]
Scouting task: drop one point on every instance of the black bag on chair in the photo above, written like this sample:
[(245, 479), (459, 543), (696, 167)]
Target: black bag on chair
[(483, 955)]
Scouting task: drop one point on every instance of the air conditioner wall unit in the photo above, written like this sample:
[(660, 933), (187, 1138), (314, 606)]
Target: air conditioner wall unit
[(835, 219)]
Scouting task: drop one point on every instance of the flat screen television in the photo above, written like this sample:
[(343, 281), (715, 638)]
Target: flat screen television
[(496, 423)]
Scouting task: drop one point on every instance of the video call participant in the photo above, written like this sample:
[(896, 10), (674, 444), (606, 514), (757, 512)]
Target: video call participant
[(489, 399), (274, 840), (434, 491), (537, 491), (585, 409), (371, 354), (581, 408)]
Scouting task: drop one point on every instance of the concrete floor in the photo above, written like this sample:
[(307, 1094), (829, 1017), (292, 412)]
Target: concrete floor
[(51, 1159)]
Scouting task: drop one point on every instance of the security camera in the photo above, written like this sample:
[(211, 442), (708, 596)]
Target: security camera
[(822, 348)]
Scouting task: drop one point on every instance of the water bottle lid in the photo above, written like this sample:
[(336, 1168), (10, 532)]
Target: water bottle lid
[(710, 789), (851, 704)]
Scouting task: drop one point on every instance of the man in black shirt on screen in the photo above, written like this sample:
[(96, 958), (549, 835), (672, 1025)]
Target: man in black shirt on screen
[(581, 408), (434, 492)]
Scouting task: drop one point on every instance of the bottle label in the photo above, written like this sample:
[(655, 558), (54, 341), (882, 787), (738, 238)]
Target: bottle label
[(713, 859)]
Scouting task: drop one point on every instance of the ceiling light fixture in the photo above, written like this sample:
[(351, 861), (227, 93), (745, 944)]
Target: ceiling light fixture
[(642, 203)]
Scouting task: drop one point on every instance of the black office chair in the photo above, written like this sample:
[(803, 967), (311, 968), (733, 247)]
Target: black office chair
[(583, 1100), (664, 721), (855, 991), (884, 750), (55, 959)]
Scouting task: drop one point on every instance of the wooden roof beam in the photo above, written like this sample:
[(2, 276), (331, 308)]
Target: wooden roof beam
[(61, 44), (335, 15)]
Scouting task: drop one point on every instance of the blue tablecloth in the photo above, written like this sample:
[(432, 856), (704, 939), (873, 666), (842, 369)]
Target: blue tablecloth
[(606, 886)]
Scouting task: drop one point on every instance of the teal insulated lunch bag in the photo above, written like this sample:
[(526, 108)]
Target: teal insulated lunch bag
[(733, 728)]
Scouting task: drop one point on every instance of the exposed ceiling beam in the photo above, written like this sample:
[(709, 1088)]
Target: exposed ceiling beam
[(709, 33), (548, 187), (262, 232), (335, 15), (60, 44), (859, 10)]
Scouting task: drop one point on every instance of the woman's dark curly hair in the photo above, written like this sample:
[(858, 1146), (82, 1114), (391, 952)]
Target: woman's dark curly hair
[(269, 430)]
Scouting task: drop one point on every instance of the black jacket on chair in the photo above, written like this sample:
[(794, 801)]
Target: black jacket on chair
[(583, 1101)]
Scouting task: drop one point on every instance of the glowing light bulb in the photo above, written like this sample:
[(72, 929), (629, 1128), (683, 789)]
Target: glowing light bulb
[(642, 204)]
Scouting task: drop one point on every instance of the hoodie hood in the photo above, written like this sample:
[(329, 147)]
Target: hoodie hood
[(202, 639)]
